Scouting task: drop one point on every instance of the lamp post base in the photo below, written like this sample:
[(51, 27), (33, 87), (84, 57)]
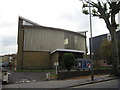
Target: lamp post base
[(92, 77)]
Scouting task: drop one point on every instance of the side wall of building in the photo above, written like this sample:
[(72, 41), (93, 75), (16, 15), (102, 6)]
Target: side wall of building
[(42, 39), (36, 60), (97, 41), (20, 42), (54, 58), (5, 58), (36, 42)]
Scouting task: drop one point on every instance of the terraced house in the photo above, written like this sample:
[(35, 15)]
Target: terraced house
[(41, 47)]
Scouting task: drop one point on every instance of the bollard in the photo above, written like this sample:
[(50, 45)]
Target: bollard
[(47, 76)]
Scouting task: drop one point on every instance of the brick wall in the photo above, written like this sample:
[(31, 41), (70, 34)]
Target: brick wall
[(71, 74)]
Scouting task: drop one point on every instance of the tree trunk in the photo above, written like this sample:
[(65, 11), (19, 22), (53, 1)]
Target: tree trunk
[(115, 57)]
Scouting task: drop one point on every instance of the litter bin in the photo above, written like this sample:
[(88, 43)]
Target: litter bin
[(5, 76)]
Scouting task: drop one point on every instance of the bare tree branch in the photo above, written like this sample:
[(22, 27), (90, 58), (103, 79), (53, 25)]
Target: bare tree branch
[(108, 15), (109, 2)]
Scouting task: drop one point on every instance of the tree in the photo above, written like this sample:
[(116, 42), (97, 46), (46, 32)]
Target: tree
[(105, 50), (68, 60), (107, 11)]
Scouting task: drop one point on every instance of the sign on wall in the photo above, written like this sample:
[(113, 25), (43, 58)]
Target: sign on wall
[(66, 41), (108, 37)]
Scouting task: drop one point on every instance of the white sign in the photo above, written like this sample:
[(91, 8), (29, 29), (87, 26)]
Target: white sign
[(10, 58), (108, 37), (66, 41), (56, 63)]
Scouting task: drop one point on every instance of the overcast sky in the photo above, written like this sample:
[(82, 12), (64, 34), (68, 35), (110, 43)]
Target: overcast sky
[(65, 14)]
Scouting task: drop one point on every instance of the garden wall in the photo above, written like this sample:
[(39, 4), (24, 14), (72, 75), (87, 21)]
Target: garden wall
[(71, 74)]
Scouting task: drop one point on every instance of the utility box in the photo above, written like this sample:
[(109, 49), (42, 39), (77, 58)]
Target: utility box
[(5, 76)]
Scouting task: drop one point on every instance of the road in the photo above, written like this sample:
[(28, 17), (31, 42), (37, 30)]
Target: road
[(107, 84)]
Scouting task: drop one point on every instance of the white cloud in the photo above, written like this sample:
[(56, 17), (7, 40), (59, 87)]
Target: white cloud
[(99, 27)]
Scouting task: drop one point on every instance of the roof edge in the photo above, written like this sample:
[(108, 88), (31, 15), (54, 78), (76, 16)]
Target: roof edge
[(37, 25), (67, 50)]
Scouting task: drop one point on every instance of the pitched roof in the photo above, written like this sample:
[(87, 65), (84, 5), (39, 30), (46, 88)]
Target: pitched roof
[(33, 24)]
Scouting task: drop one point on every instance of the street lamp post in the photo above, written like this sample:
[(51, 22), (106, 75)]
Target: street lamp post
[(91, 46)]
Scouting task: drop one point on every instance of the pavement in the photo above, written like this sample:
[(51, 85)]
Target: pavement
[(60, 83), (22, 77), (18, 77)]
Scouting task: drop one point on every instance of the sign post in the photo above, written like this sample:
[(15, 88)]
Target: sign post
[(91, 44), (56, 65)]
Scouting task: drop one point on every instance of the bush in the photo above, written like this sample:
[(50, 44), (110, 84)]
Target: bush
[(53, 76), (68, 60)]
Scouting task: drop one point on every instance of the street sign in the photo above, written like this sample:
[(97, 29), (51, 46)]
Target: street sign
[(10, 58), (56, 63)]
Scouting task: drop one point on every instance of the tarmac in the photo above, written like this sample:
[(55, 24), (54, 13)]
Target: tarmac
[(60, 83)]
